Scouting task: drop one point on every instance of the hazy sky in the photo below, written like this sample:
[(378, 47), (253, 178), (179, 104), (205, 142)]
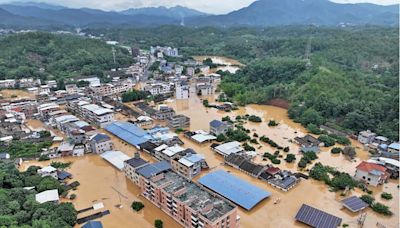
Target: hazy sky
[(209, 6)]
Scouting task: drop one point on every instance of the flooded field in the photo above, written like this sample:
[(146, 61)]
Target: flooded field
[(15, 93), (231, 65)]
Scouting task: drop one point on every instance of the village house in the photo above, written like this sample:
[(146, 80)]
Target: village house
[(203, 89), (8, 83), (218, 127), (100, 143), (394, 147), (71, 88), (366, 137), (179, 121), (164, 113), (48, 171), (228, 148), (371, 173), (307, 141)]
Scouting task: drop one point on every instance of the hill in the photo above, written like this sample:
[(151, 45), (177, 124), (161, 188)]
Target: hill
[(173, 12), (61, 56), (303, 12)]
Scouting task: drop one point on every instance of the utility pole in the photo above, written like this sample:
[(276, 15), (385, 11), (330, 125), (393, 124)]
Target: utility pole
[(113, 52), (361, 219), (119, 197)]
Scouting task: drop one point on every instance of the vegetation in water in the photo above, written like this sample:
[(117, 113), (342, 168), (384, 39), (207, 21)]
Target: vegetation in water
[(18, 207)]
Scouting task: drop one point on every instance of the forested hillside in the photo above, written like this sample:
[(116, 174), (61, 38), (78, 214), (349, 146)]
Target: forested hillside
[(351, 83), (45, 55)]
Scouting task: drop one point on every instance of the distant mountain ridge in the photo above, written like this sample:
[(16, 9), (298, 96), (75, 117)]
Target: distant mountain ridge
[(174, 12), (301, 12), (259, 13)]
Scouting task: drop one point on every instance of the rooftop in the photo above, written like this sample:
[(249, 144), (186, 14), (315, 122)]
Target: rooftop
[(371, 167), (116, 158), (98, 110), (153, 169), (237, 190), (354, 203), (208, 205), (47, 196), (317, 218), (128, 132)]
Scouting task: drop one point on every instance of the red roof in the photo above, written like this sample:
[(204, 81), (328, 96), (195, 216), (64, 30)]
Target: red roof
[(367, 167), (272, 170)]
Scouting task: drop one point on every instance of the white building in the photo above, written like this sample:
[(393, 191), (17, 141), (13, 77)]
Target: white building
[(229, 148), (182, 91), (371, 173), (8, 83), (100, 143), (47, 196), (366, 137), (97, 115), (48, 171)]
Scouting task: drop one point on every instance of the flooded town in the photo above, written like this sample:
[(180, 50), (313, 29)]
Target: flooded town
[(159, 135)]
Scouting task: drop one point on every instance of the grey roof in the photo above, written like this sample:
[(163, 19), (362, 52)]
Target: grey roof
[(4, 156), (216, 123), (62, 175), (153, 169), (136, 162), (354, 203)]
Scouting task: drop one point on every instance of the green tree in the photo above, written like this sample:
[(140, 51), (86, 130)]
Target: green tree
[(137, 206), (158, 223)]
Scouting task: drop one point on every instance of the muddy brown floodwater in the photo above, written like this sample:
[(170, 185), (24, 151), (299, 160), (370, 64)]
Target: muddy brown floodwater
[(314, 193), (98, 178), (231, 65)]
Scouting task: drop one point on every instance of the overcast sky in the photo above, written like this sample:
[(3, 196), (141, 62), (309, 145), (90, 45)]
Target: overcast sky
[(209, 6)]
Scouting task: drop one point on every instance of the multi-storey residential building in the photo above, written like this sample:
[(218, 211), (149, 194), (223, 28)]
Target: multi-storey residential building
[(131, 165), (71, 88), (45, 109), (8, 83), (164, 113), (157, 88), (182, 91), (203, 89), (179, 121), (111, 89), (91, 112), (189, 165), (186, 202), (100, 143)]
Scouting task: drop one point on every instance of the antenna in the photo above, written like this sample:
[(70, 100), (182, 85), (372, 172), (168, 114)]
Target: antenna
[(113, 52)]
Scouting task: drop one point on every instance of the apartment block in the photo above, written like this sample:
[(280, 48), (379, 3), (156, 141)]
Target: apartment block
[(188, 203)]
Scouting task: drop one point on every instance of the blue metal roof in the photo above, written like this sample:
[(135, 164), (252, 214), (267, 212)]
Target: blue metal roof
[(395, 146), (153, 169), (215, 123), (100, 137), (93, 224), (128, 132), (237, 190), (193, 158)]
